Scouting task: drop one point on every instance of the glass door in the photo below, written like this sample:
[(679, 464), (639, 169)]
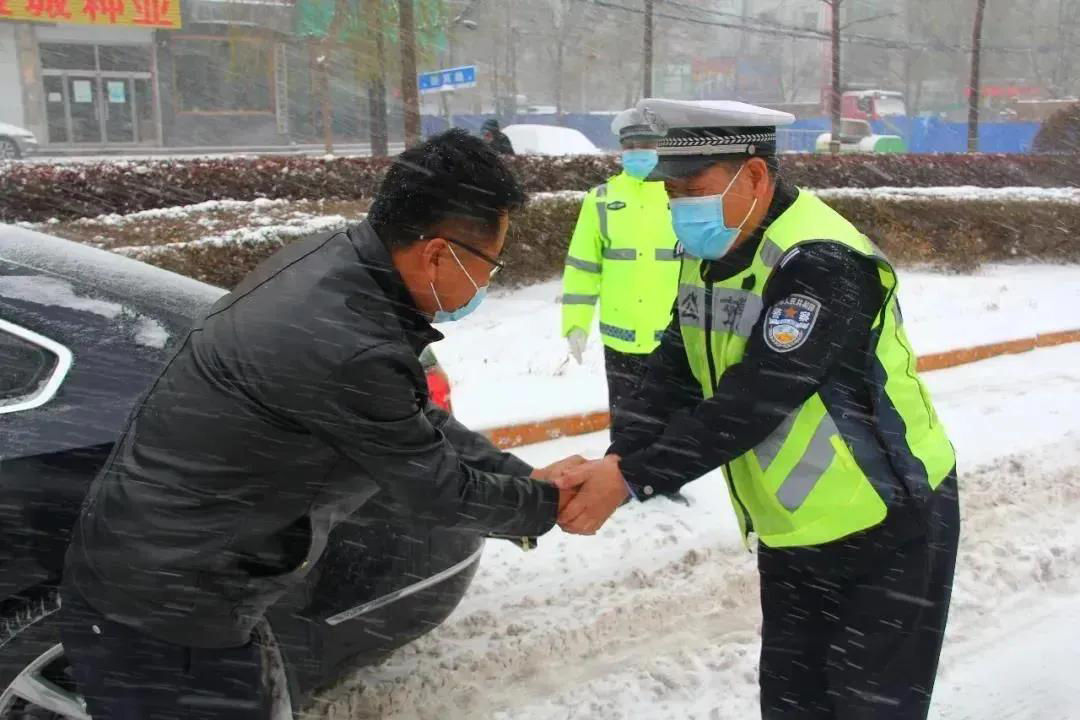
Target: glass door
[(55, 109), (119, 110), (145, 127), (84, 102)]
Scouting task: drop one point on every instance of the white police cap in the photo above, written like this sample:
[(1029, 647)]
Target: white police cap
[(700, 132), (631, 123)]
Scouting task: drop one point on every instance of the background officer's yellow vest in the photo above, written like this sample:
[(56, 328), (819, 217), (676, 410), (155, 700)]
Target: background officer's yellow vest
[(813, 480), (622, 255)]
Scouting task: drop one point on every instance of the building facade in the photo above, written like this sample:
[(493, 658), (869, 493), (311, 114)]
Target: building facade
[(105, 74)]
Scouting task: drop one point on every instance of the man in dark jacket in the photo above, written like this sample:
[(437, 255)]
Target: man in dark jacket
[(497, 138), (298, 398)]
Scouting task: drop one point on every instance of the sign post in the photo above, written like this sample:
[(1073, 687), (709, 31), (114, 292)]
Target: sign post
[(448, 80)]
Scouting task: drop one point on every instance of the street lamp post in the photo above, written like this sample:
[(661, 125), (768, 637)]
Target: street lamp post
[(466, 22)]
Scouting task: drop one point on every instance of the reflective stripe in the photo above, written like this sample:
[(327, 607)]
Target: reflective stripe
[(735, 311), (625, 254), (659, 335), (618, 333), (666, 254), (572, 299), (601, 213), (819, 454), (897, 315), (769, 448), (583, 264), (770, 252), (691, 306)]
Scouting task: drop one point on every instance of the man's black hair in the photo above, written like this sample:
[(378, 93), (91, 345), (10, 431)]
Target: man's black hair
[(453, 175)]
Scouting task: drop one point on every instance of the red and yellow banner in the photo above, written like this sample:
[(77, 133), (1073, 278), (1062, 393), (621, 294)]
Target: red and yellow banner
[(135, 13)]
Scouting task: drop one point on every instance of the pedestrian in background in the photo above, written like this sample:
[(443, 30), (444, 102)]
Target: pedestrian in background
[(622, 257), (496, 138)]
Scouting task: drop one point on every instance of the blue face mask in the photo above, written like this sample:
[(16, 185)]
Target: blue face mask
[(639, 163), (441, 315), (699, 224)]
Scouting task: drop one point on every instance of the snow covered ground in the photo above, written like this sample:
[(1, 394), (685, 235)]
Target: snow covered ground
[(656, 617), (509, 364)]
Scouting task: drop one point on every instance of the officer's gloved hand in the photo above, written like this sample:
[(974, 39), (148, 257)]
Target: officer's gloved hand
[(576, 338)]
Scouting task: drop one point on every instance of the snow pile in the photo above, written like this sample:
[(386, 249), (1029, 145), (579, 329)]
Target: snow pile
[(964, 193), (267, 231), (574, 195), (657, 616), (509, 364), (181, 212)]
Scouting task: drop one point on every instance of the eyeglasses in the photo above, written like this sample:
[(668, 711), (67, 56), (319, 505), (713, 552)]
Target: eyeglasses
[(496, 266)]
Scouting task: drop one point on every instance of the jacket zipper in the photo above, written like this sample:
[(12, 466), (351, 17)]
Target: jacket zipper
[(747, 523)]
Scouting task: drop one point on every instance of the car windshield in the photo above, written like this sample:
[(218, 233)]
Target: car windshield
[(539, 359)]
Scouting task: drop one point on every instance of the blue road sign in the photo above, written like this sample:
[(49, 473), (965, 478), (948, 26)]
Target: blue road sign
[(448, 79)]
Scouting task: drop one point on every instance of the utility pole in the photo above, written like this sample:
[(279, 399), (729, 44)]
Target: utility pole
[(834, 95), (973, 86), (410, 94), (648, 64)]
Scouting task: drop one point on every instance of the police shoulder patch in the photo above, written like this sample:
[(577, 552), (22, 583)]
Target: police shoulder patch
[(789, 322)]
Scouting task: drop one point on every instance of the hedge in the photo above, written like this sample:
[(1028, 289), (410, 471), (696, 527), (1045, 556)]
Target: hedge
[(942, 233), (37, 192)]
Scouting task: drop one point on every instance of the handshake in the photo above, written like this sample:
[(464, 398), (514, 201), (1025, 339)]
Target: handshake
[(589, 491)]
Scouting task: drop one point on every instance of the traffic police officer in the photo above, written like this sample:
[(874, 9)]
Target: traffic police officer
[(622, 255), (786, 363)]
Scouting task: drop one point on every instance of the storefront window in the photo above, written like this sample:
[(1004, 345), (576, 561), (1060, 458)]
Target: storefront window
[(223, 75), (124, 57), (57, 56)]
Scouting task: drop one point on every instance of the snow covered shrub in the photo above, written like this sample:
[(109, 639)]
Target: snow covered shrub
[(37, 192), (957, 233)]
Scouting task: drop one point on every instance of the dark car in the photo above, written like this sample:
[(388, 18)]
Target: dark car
[(83, 333)]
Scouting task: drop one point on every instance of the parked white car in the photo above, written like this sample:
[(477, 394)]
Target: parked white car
[(16, 142), (549, 140)]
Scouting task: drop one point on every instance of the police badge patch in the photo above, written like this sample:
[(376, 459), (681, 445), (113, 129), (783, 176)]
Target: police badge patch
[(789, 322)]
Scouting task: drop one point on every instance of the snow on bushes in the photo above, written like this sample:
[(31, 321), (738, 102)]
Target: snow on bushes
[(950, 231), (37, 192)]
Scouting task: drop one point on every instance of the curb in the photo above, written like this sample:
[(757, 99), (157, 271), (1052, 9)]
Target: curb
[(513, 436)]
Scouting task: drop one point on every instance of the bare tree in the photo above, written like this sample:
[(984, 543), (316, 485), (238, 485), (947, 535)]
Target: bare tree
[(410, 94), (973, 86), (376, 67), (647, 71)]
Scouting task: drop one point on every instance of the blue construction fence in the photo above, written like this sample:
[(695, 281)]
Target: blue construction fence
[(921, 134)]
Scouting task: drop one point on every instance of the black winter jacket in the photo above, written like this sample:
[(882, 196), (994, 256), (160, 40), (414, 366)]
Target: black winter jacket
[(297, 399)]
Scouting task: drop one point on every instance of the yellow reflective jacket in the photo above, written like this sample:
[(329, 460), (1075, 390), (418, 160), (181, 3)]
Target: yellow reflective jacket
[(622, 256)]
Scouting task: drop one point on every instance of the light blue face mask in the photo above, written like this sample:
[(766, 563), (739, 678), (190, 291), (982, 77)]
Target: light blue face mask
[(699, 224), (639, 163), (441, 315)]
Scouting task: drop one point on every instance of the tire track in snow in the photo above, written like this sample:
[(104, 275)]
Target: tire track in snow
[(681, 640)]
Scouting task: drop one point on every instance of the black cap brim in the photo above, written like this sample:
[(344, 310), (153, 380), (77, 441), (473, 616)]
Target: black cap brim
[(678, 167)]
